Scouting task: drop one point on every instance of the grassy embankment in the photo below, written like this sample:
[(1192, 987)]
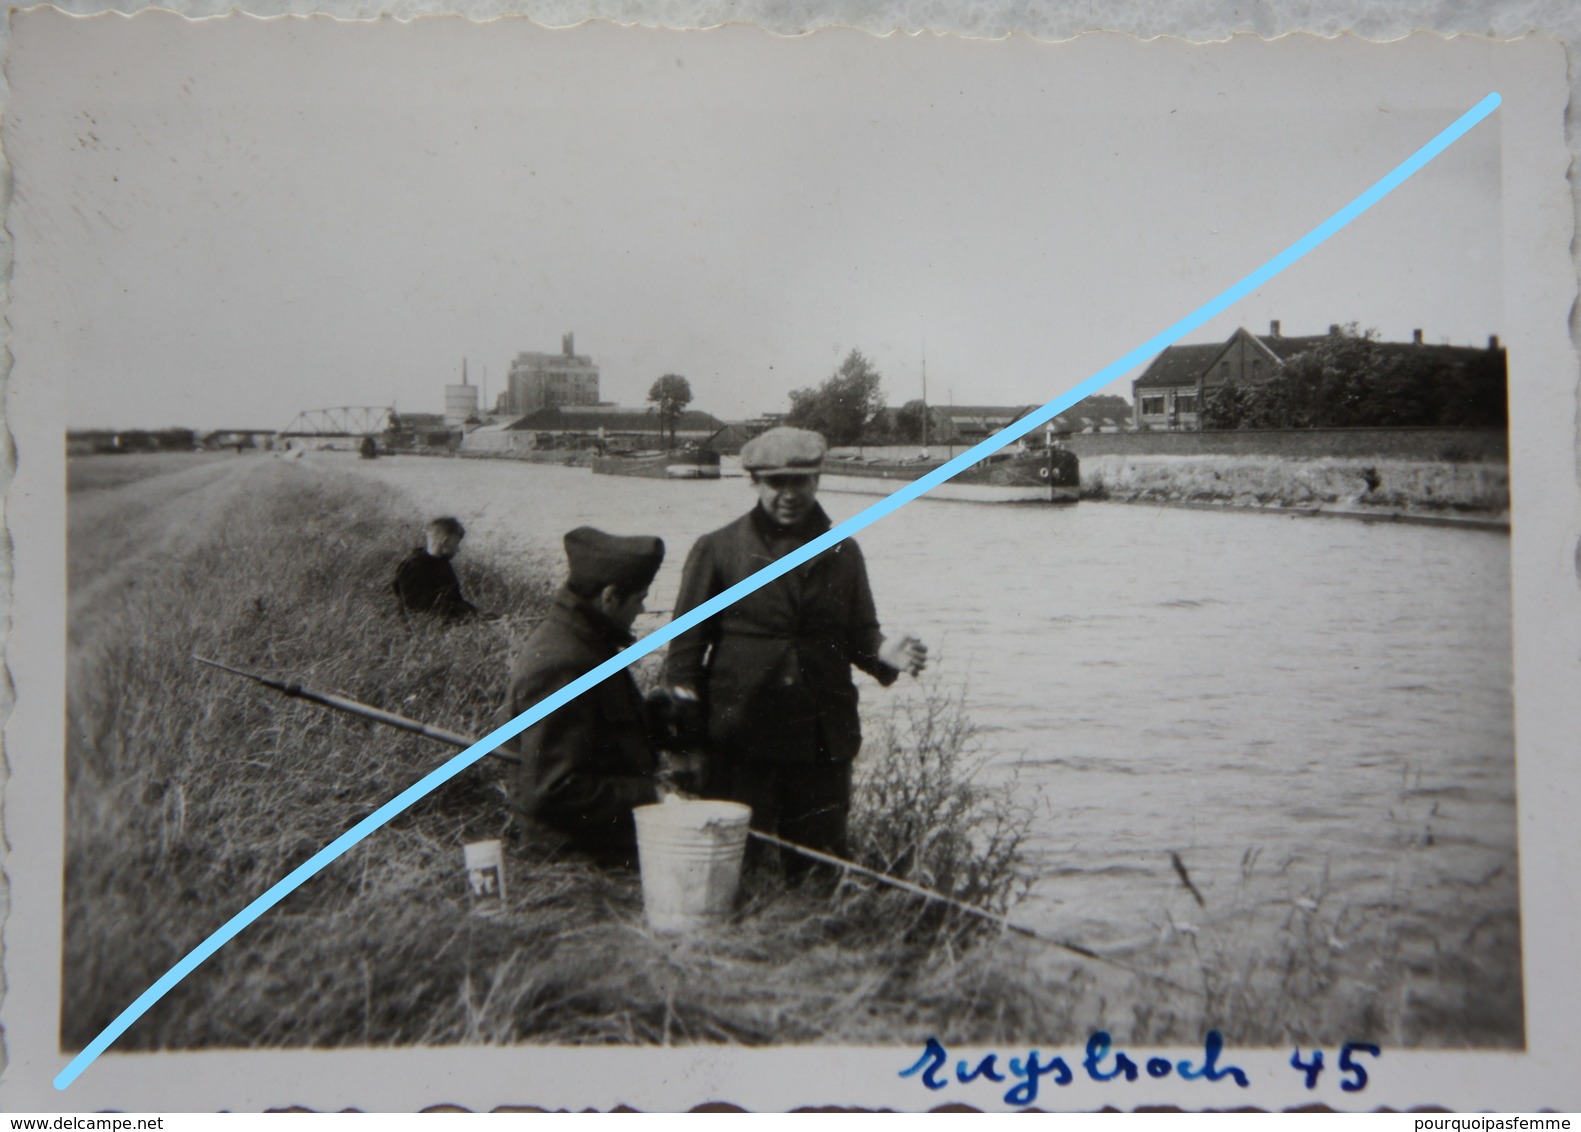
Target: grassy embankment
[(190, 793), (1434, 487), (99, 473)]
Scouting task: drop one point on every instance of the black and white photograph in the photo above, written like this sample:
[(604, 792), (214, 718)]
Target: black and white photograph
[(372, 382)]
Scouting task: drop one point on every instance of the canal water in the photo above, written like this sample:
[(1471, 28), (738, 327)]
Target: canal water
[(1298, 709)]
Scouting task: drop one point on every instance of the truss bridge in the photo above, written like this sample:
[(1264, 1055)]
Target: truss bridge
[(343, 420)]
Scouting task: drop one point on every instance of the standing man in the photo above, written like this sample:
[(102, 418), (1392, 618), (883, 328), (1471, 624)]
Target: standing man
[(771, 675), (425, 581), (588, 764)]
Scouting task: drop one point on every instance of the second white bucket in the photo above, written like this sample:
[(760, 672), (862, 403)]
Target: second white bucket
[(690, 853)]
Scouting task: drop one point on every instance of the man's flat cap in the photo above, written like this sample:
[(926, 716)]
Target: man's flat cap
[(627, 562), (784, 451)]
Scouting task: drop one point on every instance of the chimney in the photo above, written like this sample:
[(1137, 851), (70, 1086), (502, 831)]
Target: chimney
[(1416, 336), (1493, 342), (1333, 328), (1273, 328), (568, 344)]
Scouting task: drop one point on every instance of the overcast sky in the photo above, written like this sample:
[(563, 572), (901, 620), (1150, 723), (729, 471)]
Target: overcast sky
[(224, 223)]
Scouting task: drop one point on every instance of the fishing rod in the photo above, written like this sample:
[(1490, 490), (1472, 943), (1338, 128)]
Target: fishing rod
[(352, 707), (455, 739)]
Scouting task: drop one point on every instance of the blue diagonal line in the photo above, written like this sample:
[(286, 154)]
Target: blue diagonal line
[(493, 739)]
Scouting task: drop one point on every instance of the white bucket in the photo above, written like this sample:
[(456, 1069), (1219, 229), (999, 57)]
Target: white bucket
[(690, 854)]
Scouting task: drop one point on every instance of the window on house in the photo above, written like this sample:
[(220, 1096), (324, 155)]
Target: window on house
[(1186, 402), (1153, 406)]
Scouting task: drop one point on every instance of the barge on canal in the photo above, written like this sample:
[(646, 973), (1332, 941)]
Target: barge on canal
[(689, 463), (1040, 475)]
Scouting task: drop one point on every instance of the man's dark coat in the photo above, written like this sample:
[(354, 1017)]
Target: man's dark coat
[(590, 762), (774, 669), (426, 583)]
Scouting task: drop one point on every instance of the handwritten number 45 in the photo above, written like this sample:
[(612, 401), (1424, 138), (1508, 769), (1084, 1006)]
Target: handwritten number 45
[(1356, 1079)]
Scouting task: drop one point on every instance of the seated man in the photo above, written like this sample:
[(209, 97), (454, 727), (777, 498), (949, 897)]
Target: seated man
[(425, 582), (586, 766)]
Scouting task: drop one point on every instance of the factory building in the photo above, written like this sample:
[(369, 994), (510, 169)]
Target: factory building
[(547, 381)]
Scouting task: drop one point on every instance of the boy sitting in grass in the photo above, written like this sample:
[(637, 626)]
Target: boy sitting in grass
[(425, 582)]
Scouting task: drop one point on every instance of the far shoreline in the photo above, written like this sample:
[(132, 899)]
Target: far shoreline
[(1494, 524), (1435, 493)]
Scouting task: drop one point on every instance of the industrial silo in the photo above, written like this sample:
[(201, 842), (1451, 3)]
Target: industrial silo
[(461, 403)]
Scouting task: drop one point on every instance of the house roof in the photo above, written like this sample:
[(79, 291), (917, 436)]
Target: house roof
[(1178, 365), (1286, 348), (613, 418), (982, 410), (498, 426), (1441, 353), (980, 414)]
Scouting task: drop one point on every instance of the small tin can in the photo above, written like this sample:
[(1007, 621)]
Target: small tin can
[(485, 876)]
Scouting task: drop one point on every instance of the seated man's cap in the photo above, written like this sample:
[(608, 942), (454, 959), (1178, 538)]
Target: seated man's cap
[(784, 451), (627, 562)]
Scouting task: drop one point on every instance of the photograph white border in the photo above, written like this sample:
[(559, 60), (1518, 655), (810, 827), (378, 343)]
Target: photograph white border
[(1546, 519)]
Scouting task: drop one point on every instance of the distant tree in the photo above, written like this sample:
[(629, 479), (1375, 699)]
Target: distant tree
[(176, 439), (1229, 406), (881, 428), (670, 395), (1426, 387), (908, 422), (1331, 385), (844, 406), (1334, 384)]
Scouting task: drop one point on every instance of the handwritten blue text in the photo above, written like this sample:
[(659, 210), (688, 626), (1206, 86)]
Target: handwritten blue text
[(1101, 1063)]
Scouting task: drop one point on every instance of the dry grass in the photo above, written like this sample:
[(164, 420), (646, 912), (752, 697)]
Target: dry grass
[(95, 473), (1317, 968), (190, 793)]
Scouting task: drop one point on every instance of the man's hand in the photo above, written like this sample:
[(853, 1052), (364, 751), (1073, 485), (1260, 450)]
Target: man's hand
[(905, 654), (675, 718), (681, 773)]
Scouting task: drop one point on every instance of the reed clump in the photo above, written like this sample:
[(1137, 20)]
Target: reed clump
[(1317, 967), (923, 813), (190, 793)]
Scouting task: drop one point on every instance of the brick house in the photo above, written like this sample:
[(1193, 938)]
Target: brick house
[(1171, 391)]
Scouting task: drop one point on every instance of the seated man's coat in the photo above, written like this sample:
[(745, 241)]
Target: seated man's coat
[(589, 763)]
